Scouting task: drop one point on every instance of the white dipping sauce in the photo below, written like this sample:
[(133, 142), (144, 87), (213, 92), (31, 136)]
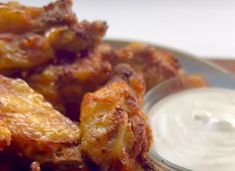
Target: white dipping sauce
[(195, 129)]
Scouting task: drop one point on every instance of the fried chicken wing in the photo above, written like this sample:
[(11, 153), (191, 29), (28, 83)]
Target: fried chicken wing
[(156, 65), (23, 51), (65, 85), (56, 13), (114, 130), (5, 135), (35, 166), (80, 39), (44, 35), (16, 18), (37, 131)]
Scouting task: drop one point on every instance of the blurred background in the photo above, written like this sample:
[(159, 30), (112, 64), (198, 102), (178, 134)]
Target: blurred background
[(202, 27)]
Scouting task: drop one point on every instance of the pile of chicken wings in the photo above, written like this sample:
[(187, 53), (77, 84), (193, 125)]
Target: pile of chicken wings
[(68, 100)]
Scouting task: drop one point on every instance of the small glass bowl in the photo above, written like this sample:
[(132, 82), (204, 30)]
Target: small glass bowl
[(164, 89)]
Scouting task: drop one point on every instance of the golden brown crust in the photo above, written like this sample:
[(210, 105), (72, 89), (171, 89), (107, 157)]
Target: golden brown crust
[(54, 14), (14, 19), (32, 37), (79, 40), (37, 130), (17, 18), (23, 51), (193, 81), (113, 126), (65, 85), (5, 135), (35, 166), (156, 65)]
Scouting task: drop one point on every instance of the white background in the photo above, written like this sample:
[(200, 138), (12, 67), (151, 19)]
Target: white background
[(203, 27)]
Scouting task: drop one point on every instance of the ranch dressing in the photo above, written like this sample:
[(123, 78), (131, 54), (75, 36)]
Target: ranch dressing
[(195, 129)]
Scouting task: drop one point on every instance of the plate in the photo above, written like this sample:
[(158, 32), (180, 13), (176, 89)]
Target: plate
[(214, 74)]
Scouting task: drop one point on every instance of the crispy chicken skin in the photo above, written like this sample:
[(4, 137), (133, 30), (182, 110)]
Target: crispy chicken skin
[(114, 129), (80, 39), (23, 51), (5, 135), (35, 166), (31, 37), (58, 45), (155, 64), (36, 130), (16, 18), (65, 85)]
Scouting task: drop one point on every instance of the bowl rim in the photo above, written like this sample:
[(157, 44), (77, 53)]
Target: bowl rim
[(148, 97)]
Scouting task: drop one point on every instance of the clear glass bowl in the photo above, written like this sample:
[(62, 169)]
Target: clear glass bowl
[(164, 89)]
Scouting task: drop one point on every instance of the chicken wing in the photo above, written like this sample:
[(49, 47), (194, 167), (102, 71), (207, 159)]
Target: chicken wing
[(23, 51), (16, 18), (5, 135), (55, 37), (155, 64), (36, 130), (65, 85), (114, 130), (69, 43), (35, 166)]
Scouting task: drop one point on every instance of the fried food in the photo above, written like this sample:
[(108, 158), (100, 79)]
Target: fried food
[(16, 18), (23, 52), (54, 36), (114, 129), (156, 65), (37, 131), (59, 45), (65, 85), (193, 81), (5, 135), (35, 166), (76, 41)]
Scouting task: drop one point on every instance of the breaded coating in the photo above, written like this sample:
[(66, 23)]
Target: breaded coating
[(54, 14), (37, 131), (81, 39), (155, 64), (17, 18), (59, 45), (23, 51), (5, 135), (114, 130), (35, 166), (13, 19), (54, 37), (65, 85)]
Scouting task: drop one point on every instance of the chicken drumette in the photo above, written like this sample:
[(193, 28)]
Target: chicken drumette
[(32, 37), (157, 65), (31, 127), (114, 130)]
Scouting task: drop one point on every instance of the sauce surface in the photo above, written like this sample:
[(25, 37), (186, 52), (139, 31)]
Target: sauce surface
[(195, 129)]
